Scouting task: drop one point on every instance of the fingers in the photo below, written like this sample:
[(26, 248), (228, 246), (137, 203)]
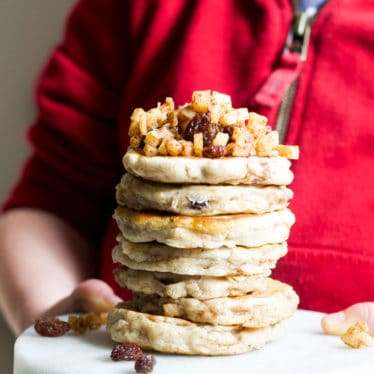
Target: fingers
[(338, 323), (92, 295)]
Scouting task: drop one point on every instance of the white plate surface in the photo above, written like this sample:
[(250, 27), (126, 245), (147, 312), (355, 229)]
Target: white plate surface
[(303, 348)]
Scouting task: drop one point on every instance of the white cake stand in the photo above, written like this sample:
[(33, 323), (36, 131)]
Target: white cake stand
[(303, 349)]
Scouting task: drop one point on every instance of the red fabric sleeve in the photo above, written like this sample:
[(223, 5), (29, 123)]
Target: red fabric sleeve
[(75, 161)]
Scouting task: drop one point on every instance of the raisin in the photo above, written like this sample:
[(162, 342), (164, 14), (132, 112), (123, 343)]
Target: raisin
[(198, 205), (51, 326), (214, 151), (126, 352), (196, 125), (210, 133), (141, 144), (201, 124), (228, 130), (145, 364)]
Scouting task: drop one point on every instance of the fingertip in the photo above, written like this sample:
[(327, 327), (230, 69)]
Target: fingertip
[(93, 286), (362, 312), (94, 295), (334, 323), (339, 322)]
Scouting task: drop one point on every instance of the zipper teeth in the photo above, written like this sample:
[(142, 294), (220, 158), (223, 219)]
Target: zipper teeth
[(284, 113)]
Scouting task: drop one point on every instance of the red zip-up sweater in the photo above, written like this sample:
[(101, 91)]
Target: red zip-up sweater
[(117, 55)]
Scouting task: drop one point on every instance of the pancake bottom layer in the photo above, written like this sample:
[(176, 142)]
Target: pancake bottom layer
[(175, 335)]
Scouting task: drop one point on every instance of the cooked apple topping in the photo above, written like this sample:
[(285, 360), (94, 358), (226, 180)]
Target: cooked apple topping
[(207, 127)]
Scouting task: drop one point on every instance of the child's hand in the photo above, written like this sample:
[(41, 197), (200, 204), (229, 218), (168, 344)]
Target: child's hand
[(92, 295), (338, 323)]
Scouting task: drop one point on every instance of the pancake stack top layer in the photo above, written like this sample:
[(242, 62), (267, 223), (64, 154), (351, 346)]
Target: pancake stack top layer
[(203, 219)]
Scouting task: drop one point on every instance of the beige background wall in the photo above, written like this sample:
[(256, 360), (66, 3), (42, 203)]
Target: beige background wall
[(28, 31)]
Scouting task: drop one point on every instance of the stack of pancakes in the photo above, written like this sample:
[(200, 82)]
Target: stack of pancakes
[(198, 239)]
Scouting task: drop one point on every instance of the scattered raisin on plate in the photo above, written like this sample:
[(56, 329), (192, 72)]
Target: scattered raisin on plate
[(145, 364), (51, 326), (126, 352)]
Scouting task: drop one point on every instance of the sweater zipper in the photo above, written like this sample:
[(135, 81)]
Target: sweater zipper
[(297, 41)]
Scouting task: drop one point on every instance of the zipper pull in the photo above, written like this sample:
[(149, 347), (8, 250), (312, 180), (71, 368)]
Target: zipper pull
[(299, 34)]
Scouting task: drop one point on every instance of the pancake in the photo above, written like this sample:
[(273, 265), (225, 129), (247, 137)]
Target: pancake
[(201, 200), (278, 301), (175, 335), (213, 262), (176, 286), (179, 231), (200, 170)]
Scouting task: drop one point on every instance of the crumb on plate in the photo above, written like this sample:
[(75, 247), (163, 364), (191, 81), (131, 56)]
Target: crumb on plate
[(357, 336)]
